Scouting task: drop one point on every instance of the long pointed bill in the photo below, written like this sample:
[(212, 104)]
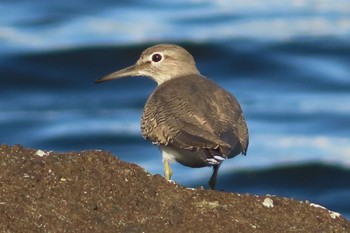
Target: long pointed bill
[(126, 72)]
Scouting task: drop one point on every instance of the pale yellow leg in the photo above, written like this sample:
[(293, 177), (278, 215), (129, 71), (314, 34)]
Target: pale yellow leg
[(167, 170)]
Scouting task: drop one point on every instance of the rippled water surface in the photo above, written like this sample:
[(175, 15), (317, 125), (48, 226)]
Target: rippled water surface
[(288, 63)]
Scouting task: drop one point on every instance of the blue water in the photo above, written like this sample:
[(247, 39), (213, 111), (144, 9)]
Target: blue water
[(288, 63)]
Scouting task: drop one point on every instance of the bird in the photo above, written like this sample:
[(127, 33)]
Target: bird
[(192, 120)]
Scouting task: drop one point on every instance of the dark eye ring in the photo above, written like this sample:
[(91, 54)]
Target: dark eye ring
[(156, 57)]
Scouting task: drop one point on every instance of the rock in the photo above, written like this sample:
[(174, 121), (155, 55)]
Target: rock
[(93, 191)]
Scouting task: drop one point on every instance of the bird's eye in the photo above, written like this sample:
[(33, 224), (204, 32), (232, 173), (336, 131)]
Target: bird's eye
[(156, 57)]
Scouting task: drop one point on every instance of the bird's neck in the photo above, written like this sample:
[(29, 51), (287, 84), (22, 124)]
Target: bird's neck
[(159, 79)]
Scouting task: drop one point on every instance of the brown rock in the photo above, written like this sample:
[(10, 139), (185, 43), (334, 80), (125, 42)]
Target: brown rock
[(93, 191)]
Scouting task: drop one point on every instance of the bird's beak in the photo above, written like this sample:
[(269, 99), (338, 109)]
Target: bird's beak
[(126, 72)]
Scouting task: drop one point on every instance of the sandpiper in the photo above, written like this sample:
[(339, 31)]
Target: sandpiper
[(191, 119)]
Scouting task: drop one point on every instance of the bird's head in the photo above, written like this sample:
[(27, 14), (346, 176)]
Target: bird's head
[(161, 63)]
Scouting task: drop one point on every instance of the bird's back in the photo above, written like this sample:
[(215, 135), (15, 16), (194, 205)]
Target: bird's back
[(192, 112)]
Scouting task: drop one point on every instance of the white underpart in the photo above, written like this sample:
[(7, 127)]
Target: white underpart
[(216, 160), (168, 154), (219, 158), (213, 161)]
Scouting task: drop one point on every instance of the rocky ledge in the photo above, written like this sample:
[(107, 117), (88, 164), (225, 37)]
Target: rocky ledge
[(93, 191)]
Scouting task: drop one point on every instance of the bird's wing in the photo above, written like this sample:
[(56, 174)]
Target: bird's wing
[(192, 112)]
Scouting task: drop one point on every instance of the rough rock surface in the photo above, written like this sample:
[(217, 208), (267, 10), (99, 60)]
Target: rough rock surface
[(93, 191)]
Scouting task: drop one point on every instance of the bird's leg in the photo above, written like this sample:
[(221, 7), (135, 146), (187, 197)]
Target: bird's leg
[(167, 170), (212, 181)]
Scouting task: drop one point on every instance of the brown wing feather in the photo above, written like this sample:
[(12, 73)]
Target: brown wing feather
[(192, 112)]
